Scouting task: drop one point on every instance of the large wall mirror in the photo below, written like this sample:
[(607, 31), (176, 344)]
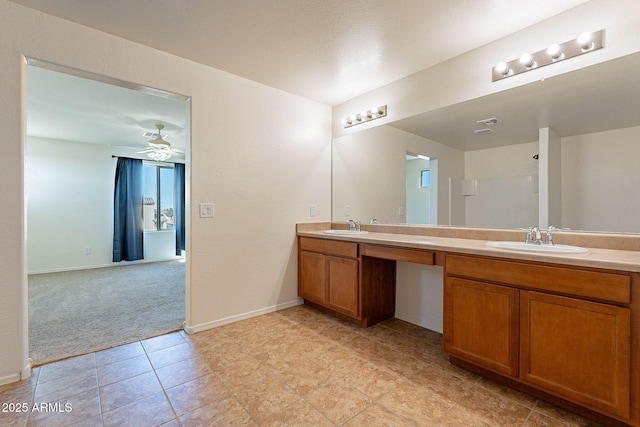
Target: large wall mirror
[(447, 167)]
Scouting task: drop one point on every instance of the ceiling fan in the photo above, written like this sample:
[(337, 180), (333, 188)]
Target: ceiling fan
[(159, 149)]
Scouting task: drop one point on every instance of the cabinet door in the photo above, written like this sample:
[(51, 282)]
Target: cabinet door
[(313, 277), (481, 324), (343, 288), (576, 349)]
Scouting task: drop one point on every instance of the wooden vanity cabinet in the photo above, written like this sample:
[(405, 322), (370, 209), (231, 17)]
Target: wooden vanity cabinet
[(339, 277), (562, 330), (482, 324), (576, 349), (329, 274)]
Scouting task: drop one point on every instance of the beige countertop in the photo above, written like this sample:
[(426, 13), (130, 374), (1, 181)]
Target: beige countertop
[(615, 259)]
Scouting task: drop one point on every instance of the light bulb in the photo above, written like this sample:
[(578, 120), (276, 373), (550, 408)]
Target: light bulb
[(584, 39), (527, 60), (554, 52), (503, 69)]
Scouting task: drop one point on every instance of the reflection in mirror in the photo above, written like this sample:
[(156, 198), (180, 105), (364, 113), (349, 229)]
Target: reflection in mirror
[(422, 189), (586, 177)]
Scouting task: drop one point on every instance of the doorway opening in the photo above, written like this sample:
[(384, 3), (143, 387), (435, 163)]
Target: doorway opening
[(78, 125), (422, 189)]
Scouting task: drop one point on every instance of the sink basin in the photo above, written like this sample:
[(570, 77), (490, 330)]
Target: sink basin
[(345, 232), (529, 247)]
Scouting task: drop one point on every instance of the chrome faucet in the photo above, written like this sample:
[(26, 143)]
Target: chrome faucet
[(534, 236), (353, 225)]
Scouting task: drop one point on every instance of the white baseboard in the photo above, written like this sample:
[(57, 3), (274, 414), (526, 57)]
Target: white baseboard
[(9, 379), (232, 319)]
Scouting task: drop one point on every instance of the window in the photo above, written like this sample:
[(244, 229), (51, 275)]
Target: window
[(425, 178), (158, 207)]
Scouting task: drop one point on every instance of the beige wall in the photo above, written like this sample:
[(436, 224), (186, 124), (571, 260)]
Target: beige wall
[(243, 261)]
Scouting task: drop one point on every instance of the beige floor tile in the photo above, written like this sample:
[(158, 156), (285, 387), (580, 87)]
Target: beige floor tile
[(304, 378), (378, 416), (242, 372), (536, 419), (561, 416), (491, 408), (443, 363), (170, 355), (338, 401), (509, 393), (373, 381), (66, 367), (438, 382), (416, 404), (118, 354), (195, 394), (124, 369), (150, 411), (261, 400), (299, 414), (224, 412), (70, 385), (122, 393), (398, 362), (458, 417), (339, 361), (182, 372), (300, 313), (161, 342), (82, 408)]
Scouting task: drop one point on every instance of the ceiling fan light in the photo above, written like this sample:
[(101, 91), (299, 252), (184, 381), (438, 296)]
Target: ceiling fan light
[(159, 155)]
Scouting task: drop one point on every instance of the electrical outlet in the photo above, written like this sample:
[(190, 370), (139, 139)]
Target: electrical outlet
[(347, 211), (207, 210), (312, 210), (87, 250), (401, 211)]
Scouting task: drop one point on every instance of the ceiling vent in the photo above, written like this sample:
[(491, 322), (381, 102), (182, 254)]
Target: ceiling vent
[(482, 131)]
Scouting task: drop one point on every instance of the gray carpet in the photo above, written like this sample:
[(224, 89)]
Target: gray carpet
[(78, 312)]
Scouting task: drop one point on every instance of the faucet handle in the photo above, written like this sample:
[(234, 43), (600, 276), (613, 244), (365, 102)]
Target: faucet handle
[(529, 231)]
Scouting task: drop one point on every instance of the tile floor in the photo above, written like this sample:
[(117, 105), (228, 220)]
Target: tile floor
[(296, 367)]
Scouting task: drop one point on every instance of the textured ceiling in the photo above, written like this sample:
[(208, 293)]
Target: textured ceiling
[(325, 50)]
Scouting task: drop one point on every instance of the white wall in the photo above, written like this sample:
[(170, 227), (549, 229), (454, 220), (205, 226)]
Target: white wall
[(506, 179), (600, 181), (243, 261), (69, 205), (501, 162)]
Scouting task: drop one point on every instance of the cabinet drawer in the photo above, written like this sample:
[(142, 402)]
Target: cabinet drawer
[(571, 281), (330, 247), (399, 254)]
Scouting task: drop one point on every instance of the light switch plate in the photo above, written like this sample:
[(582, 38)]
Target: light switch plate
[(206, 210)]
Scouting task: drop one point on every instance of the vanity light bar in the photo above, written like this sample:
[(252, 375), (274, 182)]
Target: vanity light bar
[(584, 43), (365, 116)]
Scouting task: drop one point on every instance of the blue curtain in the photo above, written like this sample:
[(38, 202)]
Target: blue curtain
[(128, 224), (178, 185)]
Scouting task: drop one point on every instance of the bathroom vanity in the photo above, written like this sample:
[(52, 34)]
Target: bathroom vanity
[(562, 327)]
